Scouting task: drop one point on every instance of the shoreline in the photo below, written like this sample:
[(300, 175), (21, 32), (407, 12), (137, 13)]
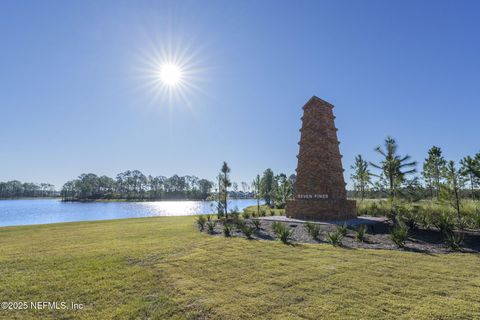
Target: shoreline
[(115, 200), (146, 200), (91, 221), (32, 198)]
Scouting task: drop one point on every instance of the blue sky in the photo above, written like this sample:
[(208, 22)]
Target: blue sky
[(75, 94)]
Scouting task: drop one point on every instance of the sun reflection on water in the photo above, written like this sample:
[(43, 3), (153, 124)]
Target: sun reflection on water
[(177, 208)]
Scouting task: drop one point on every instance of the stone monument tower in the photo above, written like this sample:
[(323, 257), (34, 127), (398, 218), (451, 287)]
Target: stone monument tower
[(320, 192)]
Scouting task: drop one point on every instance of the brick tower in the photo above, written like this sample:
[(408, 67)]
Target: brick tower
[(320, 192)]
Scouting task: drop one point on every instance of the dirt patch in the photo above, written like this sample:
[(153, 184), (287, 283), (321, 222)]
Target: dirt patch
[(377, 237)]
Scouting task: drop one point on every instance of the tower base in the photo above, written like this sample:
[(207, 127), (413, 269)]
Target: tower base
[(321, 209)]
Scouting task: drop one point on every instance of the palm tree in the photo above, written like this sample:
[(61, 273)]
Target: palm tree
[(393, 167), (282, 190)]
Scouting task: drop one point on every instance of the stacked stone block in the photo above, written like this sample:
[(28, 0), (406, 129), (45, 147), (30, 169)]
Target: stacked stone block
[(320, 192)]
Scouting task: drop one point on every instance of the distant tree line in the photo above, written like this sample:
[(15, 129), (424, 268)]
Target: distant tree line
[(16, 189), (274, 189), (134, 185)]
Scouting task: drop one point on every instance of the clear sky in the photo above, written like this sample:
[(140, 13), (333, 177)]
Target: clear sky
[(76, 91)]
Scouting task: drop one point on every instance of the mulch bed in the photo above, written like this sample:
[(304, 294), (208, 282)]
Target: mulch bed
[(377, 237)]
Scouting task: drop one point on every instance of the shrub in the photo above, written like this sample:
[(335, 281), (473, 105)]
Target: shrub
[(257, 224), (373, 208), (335, 238), (399, 234), (263, 213), (227, 230), (462, 222), (471, 222), (470, 207), (454, 240), (362, 209), (235, 215), (471, 210), (387, 208), (235, 211), (247, 231), (476, 221), (209, 217), (272, 212), (276, 226), (444, 222), (313, 230), (283, 232), (395, 210), (245, 214), (237, 221), (239, 224), (308, 225), (360, 236), (408, 215), (342, 230), (201, 220), (425, 218), (211, 227)]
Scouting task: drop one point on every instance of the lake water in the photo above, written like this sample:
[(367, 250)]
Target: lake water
[(25, 212)]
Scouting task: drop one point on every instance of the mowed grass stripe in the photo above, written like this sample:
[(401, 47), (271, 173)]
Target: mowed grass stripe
[(163, 268)]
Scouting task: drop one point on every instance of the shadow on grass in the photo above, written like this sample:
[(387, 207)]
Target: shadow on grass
[(416, 250), (264, 236)]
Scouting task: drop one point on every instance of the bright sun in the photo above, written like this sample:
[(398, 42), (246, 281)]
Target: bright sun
[(170, 74)]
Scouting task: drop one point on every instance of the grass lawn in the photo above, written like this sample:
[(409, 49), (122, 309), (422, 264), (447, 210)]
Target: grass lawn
[(162, 268)]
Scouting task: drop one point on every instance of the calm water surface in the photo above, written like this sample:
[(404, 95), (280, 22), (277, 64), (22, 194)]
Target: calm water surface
[(24, 212)]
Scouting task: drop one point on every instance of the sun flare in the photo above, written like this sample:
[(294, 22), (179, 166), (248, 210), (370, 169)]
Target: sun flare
[(170, 74)]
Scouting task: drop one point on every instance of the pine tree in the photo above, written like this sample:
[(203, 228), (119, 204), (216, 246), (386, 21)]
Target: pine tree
[(266, 186), (223, 184), (450, 190), (469, 168), (256, 190), (477, 168), (361, 175), (433, 168)]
